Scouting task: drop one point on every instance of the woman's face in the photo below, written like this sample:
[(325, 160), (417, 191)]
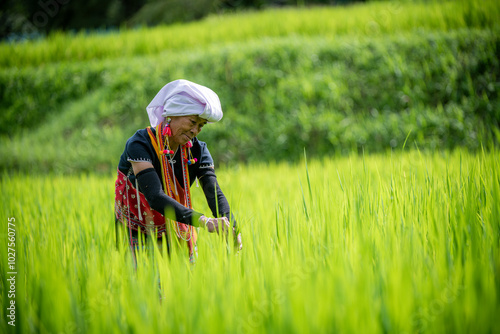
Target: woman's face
[(185, 128)]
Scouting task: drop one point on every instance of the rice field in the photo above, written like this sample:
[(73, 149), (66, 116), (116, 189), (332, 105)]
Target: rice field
[(391, 243)]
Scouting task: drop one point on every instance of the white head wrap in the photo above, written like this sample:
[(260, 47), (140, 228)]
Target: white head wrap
[(184, 98)]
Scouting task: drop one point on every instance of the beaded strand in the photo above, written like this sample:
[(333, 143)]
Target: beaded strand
[(167, 156)]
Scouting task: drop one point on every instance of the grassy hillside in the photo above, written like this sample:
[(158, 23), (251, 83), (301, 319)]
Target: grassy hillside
[(364, 77), (406, 243)]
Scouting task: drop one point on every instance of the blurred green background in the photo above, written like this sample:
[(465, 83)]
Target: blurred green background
[(21, 17), (330, 77)]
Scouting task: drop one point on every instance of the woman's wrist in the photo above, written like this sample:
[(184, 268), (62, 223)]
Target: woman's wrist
[(202, 221)]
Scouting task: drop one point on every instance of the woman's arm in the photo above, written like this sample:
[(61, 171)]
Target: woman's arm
[(217, 200), (215, 197), (150, 185)]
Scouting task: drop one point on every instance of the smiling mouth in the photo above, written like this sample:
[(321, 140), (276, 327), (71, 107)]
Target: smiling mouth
[(188, 138)]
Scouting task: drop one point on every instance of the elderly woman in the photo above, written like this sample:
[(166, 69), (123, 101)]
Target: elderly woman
[(160, 164)]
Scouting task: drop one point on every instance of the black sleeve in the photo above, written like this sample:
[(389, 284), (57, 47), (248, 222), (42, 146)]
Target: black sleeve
[(215, 197), (150, 186)]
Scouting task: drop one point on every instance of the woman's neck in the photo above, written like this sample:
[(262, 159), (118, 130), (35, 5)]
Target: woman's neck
[(174, 146)]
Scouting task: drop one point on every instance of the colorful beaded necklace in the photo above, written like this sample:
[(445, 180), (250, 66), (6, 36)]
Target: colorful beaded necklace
[(166, 155)]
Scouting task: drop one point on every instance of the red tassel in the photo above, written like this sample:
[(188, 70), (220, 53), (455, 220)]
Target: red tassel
[(167, 131)]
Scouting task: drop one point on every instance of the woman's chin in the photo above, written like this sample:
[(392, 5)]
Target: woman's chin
[(184, 140)]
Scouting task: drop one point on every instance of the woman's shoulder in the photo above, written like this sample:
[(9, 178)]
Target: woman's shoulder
[(141, 136), (199, 143), (200, 150), (142, 133), (139, 142), (139, 147)]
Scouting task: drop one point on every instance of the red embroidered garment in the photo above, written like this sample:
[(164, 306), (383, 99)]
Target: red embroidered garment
[(127, 210)]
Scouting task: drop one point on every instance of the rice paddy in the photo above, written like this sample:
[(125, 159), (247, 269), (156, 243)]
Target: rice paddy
[(401, 240), (391, 243)]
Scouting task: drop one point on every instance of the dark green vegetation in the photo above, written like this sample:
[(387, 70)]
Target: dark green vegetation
[(32, 18)]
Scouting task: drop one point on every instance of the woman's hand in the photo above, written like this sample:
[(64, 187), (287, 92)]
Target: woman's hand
[(215, 224), (237, 239)]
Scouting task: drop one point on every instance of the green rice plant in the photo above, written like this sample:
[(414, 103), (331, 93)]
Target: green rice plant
[(401, 242)]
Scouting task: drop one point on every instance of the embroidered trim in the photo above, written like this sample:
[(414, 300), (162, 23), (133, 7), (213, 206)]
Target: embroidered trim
[(206, 166), (121, 213), (139, 160)]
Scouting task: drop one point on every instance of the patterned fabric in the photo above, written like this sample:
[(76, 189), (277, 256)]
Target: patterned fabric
[(127, 208), (127, 211)]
